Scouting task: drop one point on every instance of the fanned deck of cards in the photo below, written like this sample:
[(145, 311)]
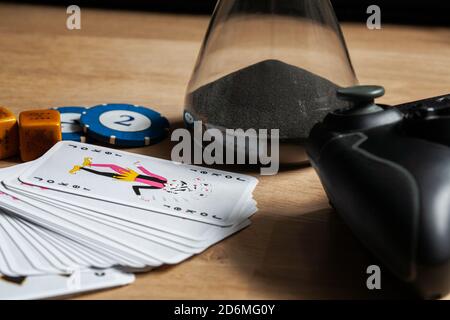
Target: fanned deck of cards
[(81, 208)]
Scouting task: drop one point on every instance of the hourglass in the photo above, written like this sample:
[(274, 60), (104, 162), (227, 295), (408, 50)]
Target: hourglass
[(270, 64)]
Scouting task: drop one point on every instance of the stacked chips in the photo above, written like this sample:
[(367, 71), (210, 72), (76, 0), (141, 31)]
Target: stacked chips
[(119, 125), (70, 123)]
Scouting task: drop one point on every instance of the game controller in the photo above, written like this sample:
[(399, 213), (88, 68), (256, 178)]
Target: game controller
[(386, 171)]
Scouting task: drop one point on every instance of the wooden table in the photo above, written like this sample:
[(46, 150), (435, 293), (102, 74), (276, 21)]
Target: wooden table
[(297, 247)]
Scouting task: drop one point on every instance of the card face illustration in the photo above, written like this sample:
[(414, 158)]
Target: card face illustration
[(185, 191)]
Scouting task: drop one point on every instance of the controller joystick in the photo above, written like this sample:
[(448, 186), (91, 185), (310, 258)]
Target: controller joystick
[(362, 98), (363, 112), (385, 170)]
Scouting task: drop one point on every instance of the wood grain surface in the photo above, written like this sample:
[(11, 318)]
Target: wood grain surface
[(297, 247)]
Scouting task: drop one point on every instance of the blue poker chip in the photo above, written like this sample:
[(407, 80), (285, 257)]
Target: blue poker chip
[(124, 125), (188, 119), (70, 123)]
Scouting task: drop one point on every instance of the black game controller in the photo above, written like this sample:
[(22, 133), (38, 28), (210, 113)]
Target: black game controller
[(386, 170)]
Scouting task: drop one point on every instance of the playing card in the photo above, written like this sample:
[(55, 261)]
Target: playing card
[(53, 250), (38, 257), (165, 226), (82, 206), (58, 259), (139, 245), (49, 286), (72, 230), (16, 260), (182, 244), (4, 267), (170, 240), (81, 254), (143, 182)]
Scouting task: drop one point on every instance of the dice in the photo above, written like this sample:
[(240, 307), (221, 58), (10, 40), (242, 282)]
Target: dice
[(9, 134), (39, 130)]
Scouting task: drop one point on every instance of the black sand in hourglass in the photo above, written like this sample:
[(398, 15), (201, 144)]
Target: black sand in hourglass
[(267, 95)]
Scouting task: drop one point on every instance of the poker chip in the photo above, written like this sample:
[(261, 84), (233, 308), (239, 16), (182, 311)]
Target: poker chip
[(124, 125), (188, 119), (70, 123)]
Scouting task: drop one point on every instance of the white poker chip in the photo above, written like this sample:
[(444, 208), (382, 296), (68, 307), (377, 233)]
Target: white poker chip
[(70, 123)]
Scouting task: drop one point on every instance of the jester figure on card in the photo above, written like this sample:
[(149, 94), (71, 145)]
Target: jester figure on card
[(146, 180)]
